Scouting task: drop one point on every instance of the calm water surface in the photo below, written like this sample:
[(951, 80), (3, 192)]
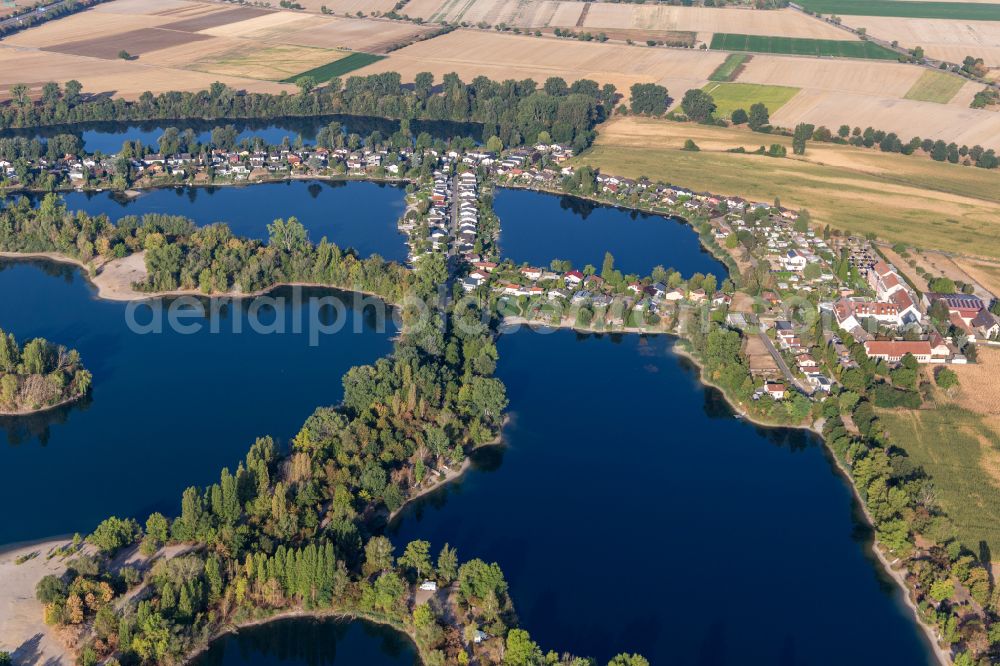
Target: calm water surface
[(108, 137), (357, 214), (536, 227), (304, 642), (167, 410), (630, 510)]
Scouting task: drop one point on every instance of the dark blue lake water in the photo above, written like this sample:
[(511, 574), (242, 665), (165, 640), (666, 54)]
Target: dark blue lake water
[(303, 642), (357, 214), (108, 137), (536, 228), (168, 410), (631, 511)]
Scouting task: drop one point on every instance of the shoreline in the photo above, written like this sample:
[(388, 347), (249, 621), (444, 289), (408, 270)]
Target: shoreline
[(232, 628), (114, 292), (41, 410), (899, 577)]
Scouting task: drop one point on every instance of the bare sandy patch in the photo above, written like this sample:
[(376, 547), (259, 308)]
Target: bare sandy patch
[(23, 632)]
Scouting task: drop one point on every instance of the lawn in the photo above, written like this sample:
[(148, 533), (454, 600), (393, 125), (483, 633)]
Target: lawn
[(911, 199), (801, 46), (339, 67), (731, 96), (965, 11), (728, 70), (955, 448), (933, 86)]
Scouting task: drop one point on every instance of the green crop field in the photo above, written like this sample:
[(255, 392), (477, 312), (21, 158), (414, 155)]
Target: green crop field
[(964, 11), (799, 46), (935, 86), (339, 67), (731, 96), (728, 69), (947, 441)]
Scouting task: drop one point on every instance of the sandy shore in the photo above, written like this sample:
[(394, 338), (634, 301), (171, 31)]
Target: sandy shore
[(514, 321), (23, 632)]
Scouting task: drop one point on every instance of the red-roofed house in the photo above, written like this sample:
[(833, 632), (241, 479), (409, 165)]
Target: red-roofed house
[(893, 351)]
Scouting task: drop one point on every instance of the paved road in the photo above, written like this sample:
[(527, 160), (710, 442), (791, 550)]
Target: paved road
[(785, 370), (41, 10)]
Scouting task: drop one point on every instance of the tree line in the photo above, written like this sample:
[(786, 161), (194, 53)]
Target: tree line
[(211, 259), (514, 111)]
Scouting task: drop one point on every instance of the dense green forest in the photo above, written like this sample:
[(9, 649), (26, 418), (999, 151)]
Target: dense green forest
[(38, 375), (515, 111), (180, 255)]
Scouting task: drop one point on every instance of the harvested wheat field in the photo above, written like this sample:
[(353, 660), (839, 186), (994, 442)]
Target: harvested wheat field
[(986, 273), (351, 7), (521, 13), (269, 62), (885, 79), (216, 19), (368, 35), (117, 77), (136, 42), (503, 56), (940, 38), (908, 118), (90, 24), (708, 20), (910, 199), (977, 384)]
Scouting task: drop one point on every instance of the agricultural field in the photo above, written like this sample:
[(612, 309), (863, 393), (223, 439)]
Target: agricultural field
[(731, 68), (278, 62), (986, 273), (957, 441), (945, 39), (180, 44), (470, 53), (707, 20), (966, 11), (338, 67), (962, 456), (934, 86), (910, 199), (731, 96), (795, 46), (521, 13)]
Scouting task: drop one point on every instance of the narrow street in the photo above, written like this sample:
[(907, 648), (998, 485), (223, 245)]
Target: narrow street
[(785, 370)]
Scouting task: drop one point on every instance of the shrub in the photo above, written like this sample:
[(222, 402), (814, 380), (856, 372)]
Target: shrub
[(946, 378), (691, 146)]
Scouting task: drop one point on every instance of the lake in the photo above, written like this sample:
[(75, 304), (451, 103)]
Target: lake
[(307, 642), (536, 228), (108, 137), (631, 511), (167, 410), (358, 214)]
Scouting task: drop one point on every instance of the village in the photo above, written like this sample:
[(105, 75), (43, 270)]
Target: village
[(799, 277)]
